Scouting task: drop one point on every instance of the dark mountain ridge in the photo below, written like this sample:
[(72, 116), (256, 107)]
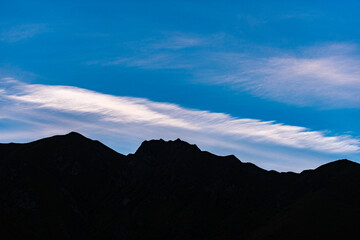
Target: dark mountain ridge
[(72, 187)]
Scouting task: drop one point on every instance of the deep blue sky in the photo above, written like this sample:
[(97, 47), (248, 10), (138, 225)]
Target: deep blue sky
[(292, 62)]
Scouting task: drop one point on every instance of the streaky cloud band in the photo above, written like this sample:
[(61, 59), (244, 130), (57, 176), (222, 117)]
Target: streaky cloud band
[(105, 108)]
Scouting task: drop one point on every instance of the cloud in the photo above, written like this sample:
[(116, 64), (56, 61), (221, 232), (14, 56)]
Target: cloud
[(174, 50), (153, 61), (331, 81), (115, 109), (326, 76), (177, 41), (21, 32)]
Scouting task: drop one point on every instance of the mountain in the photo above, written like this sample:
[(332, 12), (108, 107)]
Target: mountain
[(71, 187)]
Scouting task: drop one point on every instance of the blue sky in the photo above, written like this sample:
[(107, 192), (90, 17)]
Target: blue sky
[(276, 84)]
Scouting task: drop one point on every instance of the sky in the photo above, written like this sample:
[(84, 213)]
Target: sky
[(276, 83)]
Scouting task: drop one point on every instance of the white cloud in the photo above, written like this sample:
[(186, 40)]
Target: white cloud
[(321, 76), (325, 76), (21, 32), (97, 107), (177, 41), (152, 61), (331, 81), (171, 50)]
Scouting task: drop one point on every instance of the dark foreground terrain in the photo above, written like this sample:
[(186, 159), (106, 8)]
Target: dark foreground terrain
[(71, 187)]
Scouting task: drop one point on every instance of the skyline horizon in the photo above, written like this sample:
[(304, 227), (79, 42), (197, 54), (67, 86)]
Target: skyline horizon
[(276, 83), (148, 141)]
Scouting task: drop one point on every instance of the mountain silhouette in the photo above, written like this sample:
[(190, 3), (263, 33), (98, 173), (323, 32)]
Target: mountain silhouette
[(72, 187)]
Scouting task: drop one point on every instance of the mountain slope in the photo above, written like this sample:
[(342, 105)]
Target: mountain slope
[(71, 187)]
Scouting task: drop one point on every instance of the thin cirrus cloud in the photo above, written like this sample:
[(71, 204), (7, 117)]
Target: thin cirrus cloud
[(325, 75), (153, 61), (22, 32), (177, 41), (129, 110), (169, 51), (328, 78)]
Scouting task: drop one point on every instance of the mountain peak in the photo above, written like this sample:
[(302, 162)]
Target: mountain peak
[(338, 167), (162, 146), (75, 134), (342, 163), (71, 138)]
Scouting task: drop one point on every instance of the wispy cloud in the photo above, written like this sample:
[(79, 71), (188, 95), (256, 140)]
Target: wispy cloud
[(22, 32), (324, 76), (174, 50), (65, 107), (177, 41), (152, 61)]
